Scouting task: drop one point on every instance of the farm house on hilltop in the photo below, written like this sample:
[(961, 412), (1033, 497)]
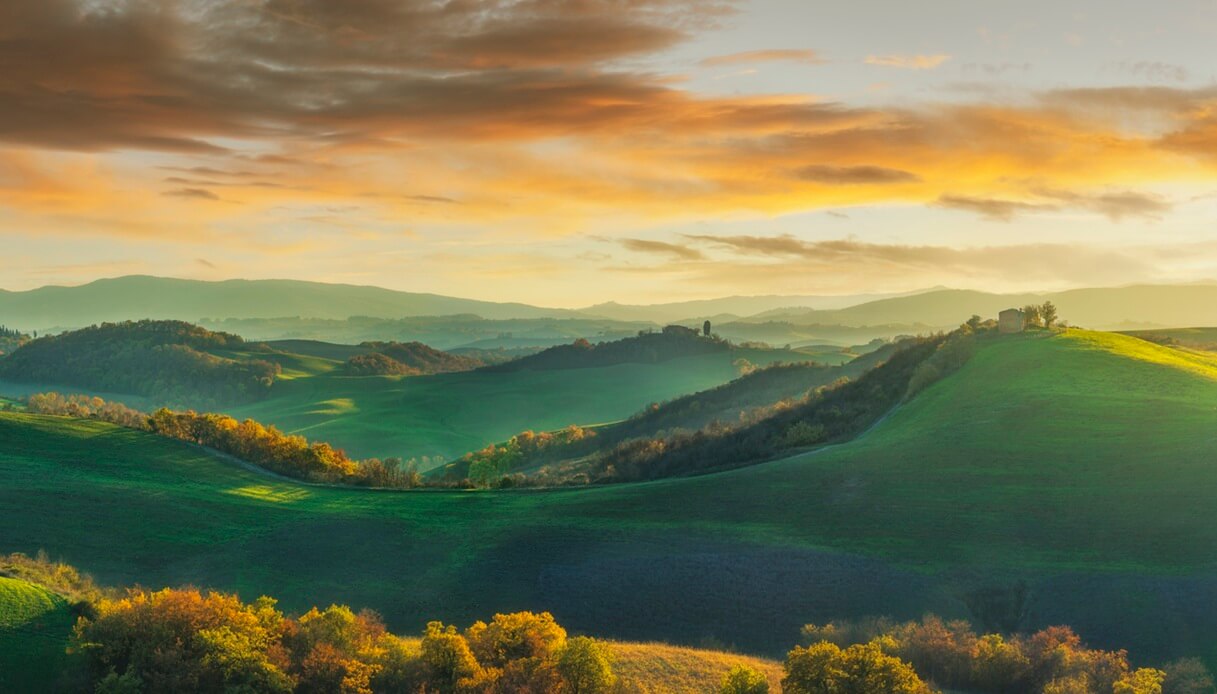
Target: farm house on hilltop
[(1011, 320)]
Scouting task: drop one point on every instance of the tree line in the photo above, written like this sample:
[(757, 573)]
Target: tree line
[(562, 458), (285, 454), (829, 413)]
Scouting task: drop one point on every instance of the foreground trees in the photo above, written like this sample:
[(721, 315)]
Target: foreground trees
[(186, 640), (951, 655), (200, 641)]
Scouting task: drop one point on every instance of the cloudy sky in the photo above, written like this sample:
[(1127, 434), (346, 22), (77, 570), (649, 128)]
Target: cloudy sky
[(564, 152)]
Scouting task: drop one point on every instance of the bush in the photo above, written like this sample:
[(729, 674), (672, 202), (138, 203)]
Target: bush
[(586, 666), (744, 680), (824, 668)]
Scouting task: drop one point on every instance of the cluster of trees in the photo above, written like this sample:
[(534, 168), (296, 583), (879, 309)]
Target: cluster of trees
[(1051, 661), (495, 464), (185, 640), (285, 454), (951, 355), (647, 348), (169, 360), (1040, 315), (376, 364), (407, 358), (11, 339), (86, 406)]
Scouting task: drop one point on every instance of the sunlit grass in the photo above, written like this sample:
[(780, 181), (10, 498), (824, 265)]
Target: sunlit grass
[(275, 495)]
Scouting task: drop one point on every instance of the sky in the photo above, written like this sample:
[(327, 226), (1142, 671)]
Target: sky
[(568, 152)]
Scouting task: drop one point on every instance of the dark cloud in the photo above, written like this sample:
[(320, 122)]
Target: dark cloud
[(192, 193), (853, 175), (76, 74), (993, 208), (790, 255), (645, 246), (205, 263), (1115, 205)]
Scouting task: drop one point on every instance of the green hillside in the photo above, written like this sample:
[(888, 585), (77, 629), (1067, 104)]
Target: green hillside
[(445, 415), (170, 360), (1054, 479), (34, 628)]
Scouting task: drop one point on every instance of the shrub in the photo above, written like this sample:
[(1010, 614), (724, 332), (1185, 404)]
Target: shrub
[(586, 666), (823, 668), (744, 680)]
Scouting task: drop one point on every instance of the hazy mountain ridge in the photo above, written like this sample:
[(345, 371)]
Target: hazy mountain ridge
[(139, 296)]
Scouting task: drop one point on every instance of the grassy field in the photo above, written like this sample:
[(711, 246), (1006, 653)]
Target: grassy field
[(1072, 470), (447, 415), (659, 668), (34, 628)]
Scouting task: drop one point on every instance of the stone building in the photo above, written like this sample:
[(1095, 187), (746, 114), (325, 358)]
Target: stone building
[(1011, 320)]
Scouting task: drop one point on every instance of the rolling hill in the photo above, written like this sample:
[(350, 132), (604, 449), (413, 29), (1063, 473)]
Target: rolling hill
[(137, 296), (170, 360), (724, 308), (445, 415), (1104, 308), (1053, 479), (329, 392)]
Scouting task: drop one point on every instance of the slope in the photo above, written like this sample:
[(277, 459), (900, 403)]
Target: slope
[(1054, 479), (34, 628), (444, 415)]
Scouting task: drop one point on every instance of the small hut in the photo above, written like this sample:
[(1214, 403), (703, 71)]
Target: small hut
[(1011, 320)]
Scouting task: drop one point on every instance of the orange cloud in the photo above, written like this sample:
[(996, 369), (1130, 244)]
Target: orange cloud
[(772, 55), (908, 62)]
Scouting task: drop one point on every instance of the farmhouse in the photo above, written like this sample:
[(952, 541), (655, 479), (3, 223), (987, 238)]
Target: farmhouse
[(1011, 320)]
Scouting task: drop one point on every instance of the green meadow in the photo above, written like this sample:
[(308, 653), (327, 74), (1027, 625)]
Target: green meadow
[(446, 415), (34, 626), (1070, 472)]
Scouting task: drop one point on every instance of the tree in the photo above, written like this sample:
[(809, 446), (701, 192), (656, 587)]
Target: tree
[(823, 668), (744, 680), (705, 328), (515, 636), (586, 666), (1187, 676), (1048, 313), (1031, 315), (1141, 681), (447, 658)]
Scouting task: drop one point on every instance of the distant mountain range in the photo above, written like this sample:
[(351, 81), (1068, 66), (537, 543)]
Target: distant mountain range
[(730, 307), (1141, 306), (138, 296)]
